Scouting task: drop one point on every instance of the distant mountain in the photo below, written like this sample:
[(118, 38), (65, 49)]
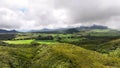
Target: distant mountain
[(92, 27), (70, 30), (43, 30), (7, 31)]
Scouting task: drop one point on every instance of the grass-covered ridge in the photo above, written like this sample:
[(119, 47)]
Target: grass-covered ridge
[(109, 46), (54, 56)]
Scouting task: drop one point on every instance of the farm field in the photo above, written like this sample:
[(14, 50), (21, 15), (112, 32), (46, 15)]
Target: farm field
[(30, 41), (19, 41)]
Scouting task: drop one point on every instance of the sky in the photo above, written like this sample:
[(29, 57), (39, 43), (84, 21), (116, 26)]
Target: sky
[(39, 14)]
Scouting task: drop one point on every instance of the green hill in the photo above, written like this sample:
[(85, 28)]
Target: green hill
[(54, 56), (109, 46)]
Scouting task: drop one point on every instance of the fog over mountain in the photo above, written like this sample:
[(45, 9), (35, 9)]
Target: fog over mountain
[(39, 14)]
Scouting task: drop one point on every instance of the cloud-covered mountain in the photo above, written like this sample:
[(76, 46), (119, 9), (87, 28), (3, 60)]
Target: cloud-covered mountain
[(70, 30), (7, 31)]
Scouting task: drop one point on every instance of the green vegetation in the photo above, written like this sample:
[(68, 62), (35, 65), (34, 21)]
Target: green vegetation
[(19, 41), (30, 41), (78, 49), (54, 56), (46, 41)]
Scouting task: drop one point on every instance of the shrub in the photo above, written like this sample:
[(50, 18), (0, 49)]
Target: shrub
[(34, 43), (44, 37)]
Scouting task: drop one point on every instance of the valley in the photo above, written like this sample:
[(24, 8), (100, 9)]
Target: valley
[(95, 48)]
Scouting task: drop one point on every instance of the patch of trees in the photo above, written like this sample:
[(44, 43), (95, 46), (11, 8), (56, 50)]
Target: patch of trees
[(94, 40), (72, 30), (3, 43), (34, 43), (7, 36), (101, 37), (58, 38), (44, 37), (96, 43)]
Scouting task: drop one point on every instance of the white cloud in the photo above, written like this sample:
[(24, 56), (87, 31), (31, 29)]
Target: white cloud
[(38, 14)]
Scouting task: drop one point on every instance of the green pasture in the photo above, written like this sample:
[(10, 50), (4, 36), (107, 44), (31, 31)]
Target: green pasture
[(46, 41), (29, 41), (19, 41)]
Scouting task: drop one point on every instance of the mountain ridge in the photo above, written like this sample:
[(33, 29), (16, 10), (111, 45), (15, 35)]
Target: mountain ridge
[(73, 29), (7, 31), (58, 30)]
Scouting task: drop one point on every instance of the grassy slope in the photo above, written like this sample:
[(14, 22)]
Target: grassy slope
[(115, 53), (54, 56), (6, 60), (70, 56), (103, 32), (109, 46)]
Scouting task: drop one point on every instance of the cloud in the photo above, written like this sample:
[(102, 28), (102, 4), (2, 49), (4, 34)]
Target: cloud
[(38, 14), (90, 11), (8, 18)]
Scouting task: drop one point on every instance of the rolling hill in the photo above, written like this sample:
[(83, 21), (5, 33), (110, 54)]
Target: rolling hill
[(54, 56)]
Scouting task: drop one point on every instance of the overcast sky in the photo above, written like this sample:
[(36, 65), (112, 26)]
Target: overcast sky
[(38, 14)]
